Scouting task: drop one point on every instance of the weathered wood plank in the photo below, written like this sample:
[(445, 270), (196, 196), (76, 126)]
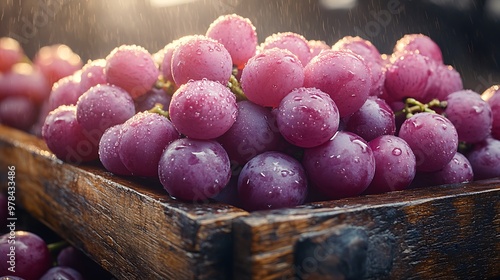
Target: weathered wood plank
[(448, 232), (131, 227)]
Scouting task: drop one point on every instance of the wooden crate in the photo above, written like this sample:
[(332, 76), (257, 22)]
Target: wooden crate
[(136, 231)]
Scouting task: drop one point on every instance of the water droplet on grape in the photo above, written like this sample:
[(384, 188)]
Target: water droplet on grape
[(396, 151)]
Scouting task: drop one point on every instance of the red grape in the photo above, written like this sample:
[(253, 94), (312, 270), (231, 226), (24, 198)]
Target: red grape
[(57, 61), (18, 112), (485, 159), (66, 91), (317, 46), (93, 73), (421, 43), (109, 151), (458, 170), (11, 53), (295, 43), (25, 80)]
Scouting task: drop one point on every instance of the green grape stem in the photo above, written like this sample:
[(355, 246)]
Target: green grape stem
[(235, 87), (167, 86), (413, 106), (158, 109)]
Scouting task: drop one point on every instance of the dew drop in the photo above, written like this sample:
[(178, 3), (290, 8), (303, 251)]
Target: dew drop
[(396, 151)]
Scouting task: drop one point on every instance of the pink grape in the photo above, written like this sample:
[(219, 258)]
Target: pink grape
[(343, 75), (458, 170), (395, 164), (143, 138), (447, 80), (272, 180), (166, 63), (373, 119), (194, 170), (93, 73), (66, 91), (253, 133), (485, 159), (432, 138), (132, 68), (32, 257), (307, 117), (67, 139), (25, 80), (57, 61), (342, 167), (11, 53), (471, 116), (18, 112), (198, 57), (109, 151), (295, 43), (492, 96), (421, 43), (203, 109), (151, 98), (238, 36), (271, 75), (317, 46)]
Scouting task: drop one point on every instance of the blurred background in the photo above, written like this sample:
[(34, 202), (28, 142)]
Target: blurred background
[(468, 31)]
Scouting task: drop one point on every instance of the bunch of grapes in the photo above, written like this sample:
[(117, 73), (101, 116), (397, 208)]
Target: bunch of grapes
[(276, 124)]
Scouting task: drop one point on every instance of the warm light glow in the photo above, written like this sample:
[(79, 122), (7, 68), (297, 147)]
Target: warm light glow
[(338, 4), (168, 3)]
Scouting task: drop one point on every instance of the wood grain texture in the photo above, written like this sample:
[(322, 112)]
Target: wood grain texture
[(131, 227), (445, 232)]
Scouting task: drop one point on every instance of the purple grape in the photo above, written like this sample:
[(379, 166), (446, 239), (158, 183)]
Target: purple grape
[(57, 61), (485, 159), (272, 180), (447, 80), (395, 164), (104, 106), (203, 109), (93, 74), (11, 278), (317, 46), (253, 132), (194, 170), (62, 273), (373, 119), (238, 36), (432, 138), (458, 170), (18, 112), (198, 57), (143, 138), (66, 91), (109, 151), (67, 139), (342, 167), (132, 68), (151, 98), (307, 117), (271, 75), (11, 53), (30, 258), (295, 43), (229, 194), (166, 63), (343, 75), (410, 75), (24, 80), (492, 96), (471, 116), (421, 43)]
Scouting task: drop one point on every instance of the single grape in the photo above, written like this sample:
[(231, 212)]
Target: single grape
[(421, 43), (447, 80), (199, 57), (93, 73), (317, 46), (143, 138), (432, 138), (458, 170), (24, 80), (343, 75), (342, 167), (104, 106), (57, 61), (151, 98), (132, 68), (238, 36), (395, 164), (307, 117), (492, 96), (62, 272), (295, 43), (18, 112), (203, 109), (471, 116), (485, 159), (11, 53), (373, 119), (253, 132), (67, 139), (109, 151), (166, 63), (25, 251), (194, 170), (271, 75), (66, 91), (409, 75), (272, 180)]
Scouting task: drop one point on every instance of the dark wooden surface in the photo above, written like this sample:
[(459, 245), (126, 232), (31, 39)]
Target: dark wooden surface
[(132, 228), (445, 232)]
